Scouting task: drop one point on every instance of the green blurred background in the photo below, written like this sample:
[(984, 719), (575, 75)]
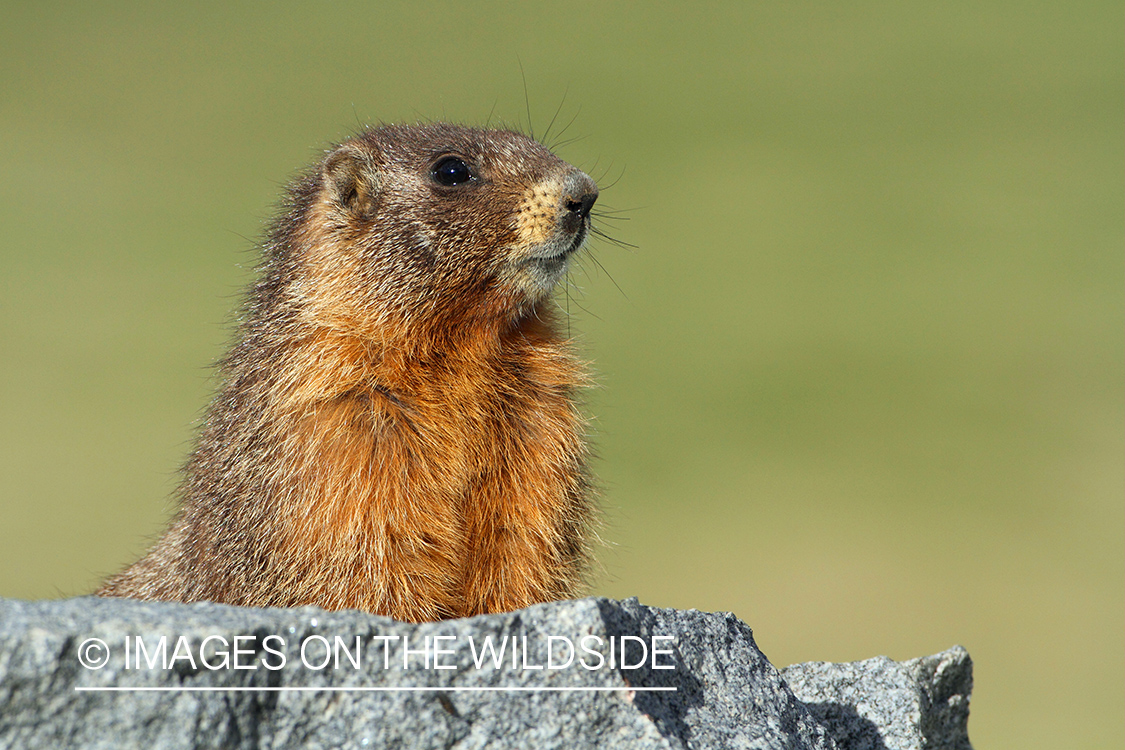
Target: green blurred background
[(861, 380)]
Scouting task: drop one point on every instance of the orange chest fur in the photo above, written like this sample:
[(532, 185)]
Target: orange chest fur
[(411, 449)]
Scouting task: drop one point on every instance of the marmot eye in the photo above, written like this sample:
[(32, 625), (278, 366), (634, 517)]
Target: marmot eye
[(451, 171)]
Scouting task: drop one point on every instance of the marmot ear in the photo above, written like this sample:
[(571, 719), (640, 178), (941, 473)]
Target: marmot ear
[(350, 179)]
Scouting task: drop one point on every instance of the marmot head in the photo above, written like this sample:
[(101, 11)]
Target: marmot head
[(433, 224)]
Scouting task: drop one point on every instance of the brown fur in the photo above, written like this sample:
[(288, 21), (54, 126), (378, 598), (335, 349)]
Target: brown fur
[(397, 431)]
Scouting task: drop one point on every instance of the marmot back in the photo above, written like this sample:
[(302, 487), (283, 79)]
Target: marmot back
[(396, 430)]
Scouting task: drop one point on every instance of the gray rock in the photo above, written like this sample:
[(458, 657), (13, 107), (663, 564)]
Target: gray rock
[(687, 680), (881, 704)]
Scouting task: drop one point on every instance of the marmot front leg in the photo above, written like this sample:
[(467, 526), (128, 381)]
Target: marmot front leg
[(523, 550)]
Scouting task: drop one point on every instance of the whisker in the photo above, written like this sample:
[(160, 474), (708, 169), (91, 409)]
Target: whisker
[(526, 100), (612, 240), (610, 277), (560, 143), (577, 304), (547, 132), (617, 180), (568, 141)]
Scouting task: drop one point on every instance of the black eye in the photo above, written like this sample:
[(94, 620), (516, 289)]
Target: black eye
[(451, 171)]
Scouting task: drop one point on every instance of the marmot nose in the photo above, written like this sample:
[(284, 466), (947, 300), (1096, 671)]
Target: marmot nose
[(581, 194)]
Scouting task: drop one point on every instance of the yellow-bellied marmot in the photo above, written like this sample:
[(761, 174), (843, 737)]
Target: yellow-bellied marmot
[(396, 430)]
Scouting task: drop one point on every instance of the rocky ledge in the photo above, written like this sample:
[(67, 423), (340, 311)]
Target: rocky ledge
[(593, 673)]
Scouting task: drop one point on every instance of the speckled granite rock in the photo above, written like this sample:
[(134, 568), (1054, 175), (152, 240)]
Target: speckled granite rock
[(230, 677), (879, 703)]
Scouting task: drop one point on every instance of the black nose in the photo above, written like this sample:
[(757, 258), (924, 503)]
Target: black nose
[(582, 204), (581, 194)]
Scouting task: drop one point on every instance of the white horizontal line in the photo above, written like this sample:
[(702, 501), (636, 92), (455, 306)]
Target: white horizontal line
[(114, 689)]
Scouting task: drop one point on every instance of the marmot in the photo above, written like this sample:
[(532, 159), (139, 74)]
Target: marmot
[(396, 431)]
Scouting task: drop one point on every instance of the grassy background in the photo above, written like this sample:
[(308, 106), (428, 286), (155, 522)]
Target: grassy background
[(861, 384)]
